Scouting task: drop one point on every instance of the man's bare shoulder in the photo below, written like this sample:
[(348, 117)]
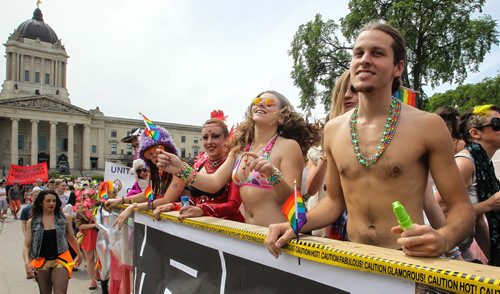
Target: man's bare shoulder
[(428, 126), (422, 118)]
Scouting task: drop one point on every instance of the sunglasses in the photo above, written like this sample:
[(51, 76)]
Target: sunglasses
[(152, 151), (494, 124), (139, 170), (267, 101)]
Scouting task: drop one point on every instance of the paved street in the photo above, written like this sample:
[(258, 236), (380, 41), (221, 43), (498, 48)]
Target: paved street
[(12, 275)]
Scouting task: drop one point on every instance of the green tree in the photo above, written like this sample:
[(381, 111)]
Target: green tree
[(318, 59), (443, 43), (467, 96)]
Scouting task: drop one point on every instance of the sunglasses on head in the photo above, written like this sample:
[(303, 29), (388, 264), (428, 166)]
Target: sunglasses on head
[(267, 101), (494, 124)]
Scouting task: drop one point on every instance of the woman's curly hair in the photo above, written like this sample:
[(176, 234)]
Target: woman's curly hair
[(294, 127)]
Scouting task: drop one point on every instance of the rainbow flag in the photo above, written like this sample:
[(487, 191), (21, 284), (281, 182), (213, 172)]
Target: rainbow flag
[(151, 128), (407, 96), (149, 194), (103, 194), (295, 210)]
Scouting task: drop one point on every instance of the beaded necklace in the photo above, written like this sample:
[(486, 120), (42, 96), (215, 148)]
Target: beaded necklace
[(390, 127)]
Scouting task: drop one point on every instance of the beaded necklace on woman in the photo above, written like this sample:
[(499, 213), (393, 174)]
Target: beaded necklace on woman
[(390, 127)]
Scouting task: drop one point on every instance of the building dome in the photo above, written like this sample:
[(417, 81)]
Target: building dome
[(36, 28)]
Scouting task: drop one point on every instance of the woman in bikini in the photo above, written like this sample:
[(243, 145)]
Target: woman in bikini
[(224, 203), (265, 158)]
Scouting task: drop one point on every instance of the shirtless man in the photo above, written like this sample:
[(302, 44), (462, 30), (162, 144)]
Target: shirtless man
[(366, 183)]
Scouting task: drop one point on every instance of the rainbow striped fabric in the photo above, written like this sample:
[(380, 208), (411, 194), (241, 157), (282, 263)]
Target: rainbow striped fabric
[(407, 96), (103, 194), (149, 194), (295, 211), (151, 128)]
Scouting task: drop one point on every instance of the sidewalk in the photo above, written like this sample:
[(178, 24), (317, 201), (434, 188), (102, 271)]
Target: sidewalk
[(12, 275)]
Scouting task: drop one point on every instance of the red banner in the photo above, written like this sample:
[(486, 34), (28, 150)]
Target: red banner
[(27, 174)]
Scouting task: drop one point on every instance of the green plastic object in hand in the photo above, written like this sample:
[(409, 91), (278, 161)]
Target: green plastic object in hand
[(402, 216)]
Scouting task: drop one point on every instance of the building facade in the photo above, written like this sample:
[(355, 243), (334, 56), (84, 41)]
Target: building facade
[(39, 123)]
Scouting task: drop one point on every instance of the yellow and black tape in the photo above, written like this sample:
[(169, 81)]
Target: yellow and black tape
[(444, 279)]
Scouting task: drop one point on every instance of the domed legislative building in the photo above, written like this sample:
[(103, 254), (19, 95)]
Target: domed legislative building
[(39, 123)]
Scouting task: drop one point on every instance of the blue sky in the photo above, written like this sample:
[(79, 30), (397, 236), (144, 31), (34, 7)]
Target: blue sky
[(175, 61)]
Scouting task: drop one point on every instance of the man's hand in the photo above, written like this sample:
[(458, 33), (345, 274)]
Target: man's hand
[(277, 236), (421, 241)]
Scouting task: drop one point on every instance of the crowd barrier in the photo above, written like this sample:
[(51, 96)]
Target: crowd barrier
[(211, 255)]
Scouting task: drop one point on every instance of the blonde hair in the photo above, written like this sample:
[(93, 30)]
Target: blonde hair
[(59, 181), (338, 95)]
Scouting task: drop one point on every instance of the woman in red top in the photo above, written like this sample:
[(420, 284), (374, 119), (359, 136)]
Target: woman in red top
[(224, 203)]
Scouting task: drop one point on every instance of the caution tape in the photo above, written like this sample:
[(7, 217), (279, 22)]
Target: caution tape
[(454, 281)]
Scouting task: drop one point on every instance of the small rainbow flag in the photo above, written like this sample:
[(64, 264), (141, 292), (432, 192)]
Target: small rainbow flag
[(149, 194), (151, 128), (103, 194), (295, 210), (407, 96)]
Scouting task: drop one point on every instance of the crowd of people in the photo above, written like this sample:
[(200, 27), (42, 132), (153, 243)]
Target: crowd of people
[(371, 151)]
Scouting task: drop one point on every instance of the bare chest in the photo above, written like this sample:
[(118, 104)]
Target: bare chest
[(399, 158)]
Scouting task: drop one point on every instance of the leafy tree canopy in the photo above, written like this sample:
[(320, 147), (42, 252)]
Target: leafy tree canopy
[(443, 43), (467, 96)]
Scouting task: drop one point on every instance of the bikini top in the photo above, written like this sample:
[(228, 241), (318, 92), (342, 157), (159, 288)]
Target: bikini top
[(254, 179)]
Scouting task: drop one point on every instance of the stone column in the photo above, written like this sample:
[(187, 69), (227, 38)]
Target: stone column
[(56, 74), (70, 146), (21, 68), (14, 159), (100, 149), (86, 148), (59, 73), (52, 145), (42, 74), (32, 69), (34, 141), (63, 75), (53, 64), (13, 69)]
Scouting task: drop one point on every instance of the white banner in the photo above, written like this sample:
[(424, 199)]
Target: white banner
[(114, 171)]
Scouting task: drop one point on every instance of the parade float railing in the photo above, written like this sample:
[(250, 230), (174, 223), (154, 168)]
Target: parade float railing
[(211, 255)]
